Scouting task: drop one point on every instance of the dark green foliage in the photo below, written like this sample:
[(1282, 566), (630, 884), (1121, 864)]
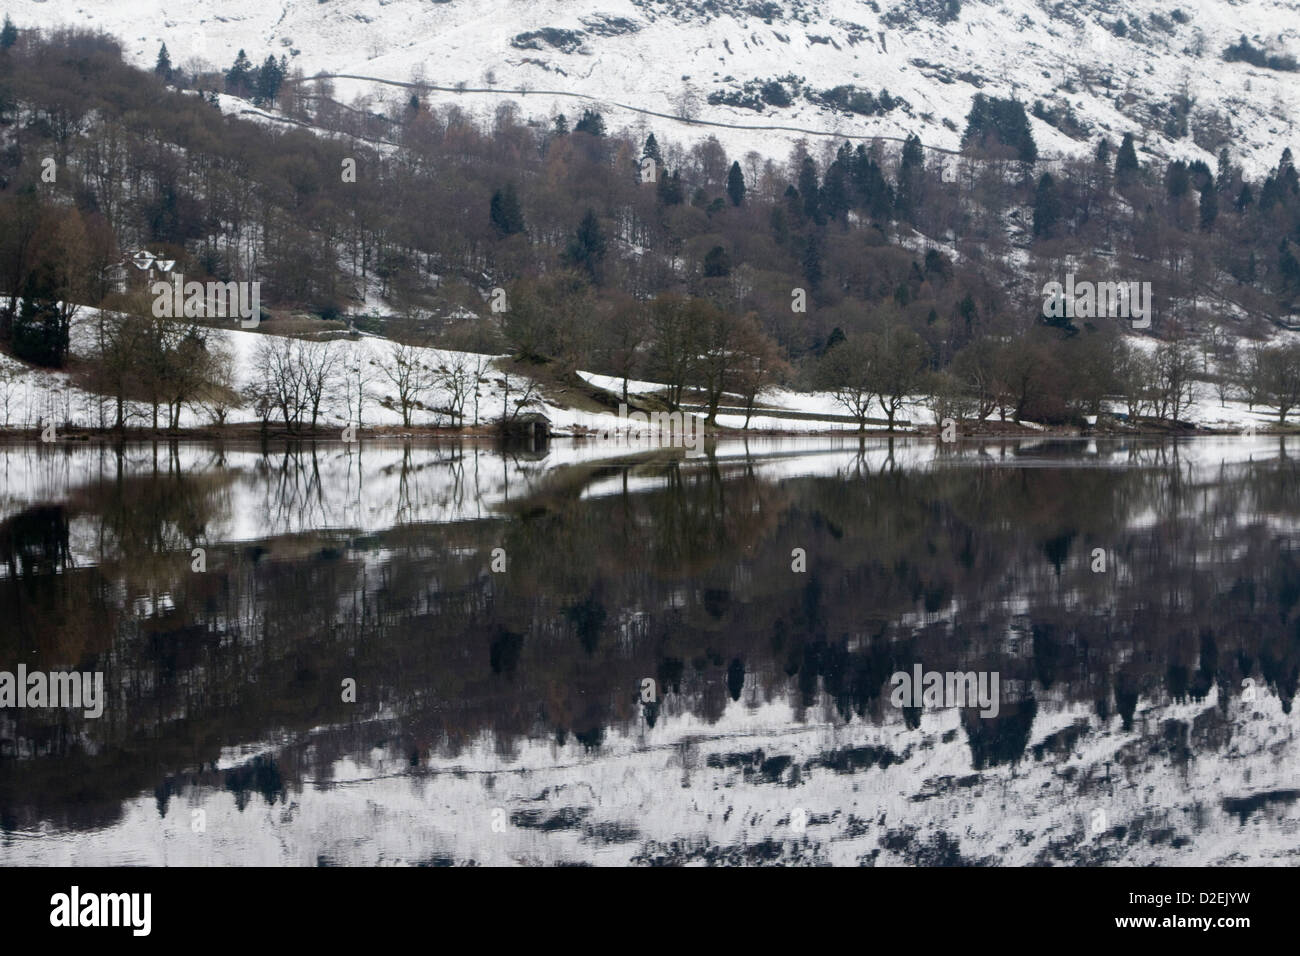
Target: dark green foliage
[(907, 197), (505, 212), (774, 93), (669, 189), (240, 78), (1126, 161), (651, 150), (834, 339), (592, 123), (1209, 208), (993, 121), (809, 191), (1102, 156), (40, 334), (587, 248), (267, 80), (717, 264), (736, 184), (163, 67), (1047, 207), (1177, 180), (1243, 52)]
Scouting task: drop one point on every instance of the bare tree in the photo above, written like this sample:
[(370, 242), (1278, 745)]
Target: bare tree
[(526, 396), (260, 396), (1277, 378), (319, 369), (481, 364), (845, 371), (11, 381), (1175, 362), (457, 376), (759, 365), (216, 395), (277, 363), (1134, 374), (975, 368), (409, 376)]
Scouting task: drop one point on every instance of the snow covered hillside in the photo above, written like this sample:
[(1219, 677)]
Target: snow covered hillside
[(650, 63)]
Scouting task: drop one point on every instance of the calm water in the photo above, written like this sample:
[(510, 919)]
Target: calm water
[(767, 591)]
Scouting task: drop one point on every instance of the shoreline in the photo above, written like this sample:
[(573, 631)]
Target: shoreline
[(246, 431)]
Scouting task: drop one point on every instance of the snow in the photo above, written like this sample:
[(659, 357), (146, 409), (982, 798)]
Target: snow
[(1013, 48)]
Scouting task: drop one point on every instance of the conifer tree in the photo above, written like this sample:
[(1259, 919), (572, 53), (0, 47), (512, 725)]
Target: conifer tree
[(1126, 161), (651, 150), (1047, 207), (239, 78), (505, 212), (736, 184)]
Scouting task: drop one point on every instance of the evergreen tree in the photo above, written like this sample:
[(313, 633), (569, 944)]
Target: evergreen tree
[(1177, 180), (812, 261), (1209, 208), (1289, 270), (506, 214), (835, 199), (8, 34), (592, 123), (870, 188), (40, 334), (908, 194), (968, 312), (1102, 156), (717, 264), (1270, 193), (651, 150), (1287, 178), (239, 78), (669, 189), (1200, 175), (736, 184), (1126, 161), (1047, 207), (163, 68), (809, 191), (1002, 120), (586, 250), (266, 83), (561, 125), (1224, 176)]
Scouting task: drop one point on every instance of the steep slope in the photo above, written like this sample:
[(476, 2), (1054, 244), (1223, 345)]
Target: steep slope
[(1096, 67)]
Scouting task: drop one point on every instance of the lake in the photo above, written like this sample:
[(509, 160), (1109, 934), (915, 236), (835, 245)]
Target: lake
[(450, 654)]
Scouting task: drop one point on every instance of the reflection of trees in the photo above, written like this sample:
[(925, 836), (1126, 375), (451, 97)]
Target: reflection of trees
[(688, 580), (46, 601)]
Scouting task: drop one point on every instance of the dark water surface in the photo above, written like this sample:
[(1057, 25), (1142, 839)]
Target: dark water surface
[(1145, 710)]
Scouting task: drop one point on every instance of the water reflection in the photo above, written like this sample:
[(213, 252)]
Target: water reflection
[(768, 590)]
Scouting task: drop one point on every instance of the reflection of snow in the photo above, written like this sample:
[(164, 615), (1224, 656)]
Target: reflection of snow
[(681, 783)]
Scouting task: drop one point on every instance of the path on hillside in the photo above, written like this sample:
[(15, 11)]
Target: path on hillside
[(612, 104)]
